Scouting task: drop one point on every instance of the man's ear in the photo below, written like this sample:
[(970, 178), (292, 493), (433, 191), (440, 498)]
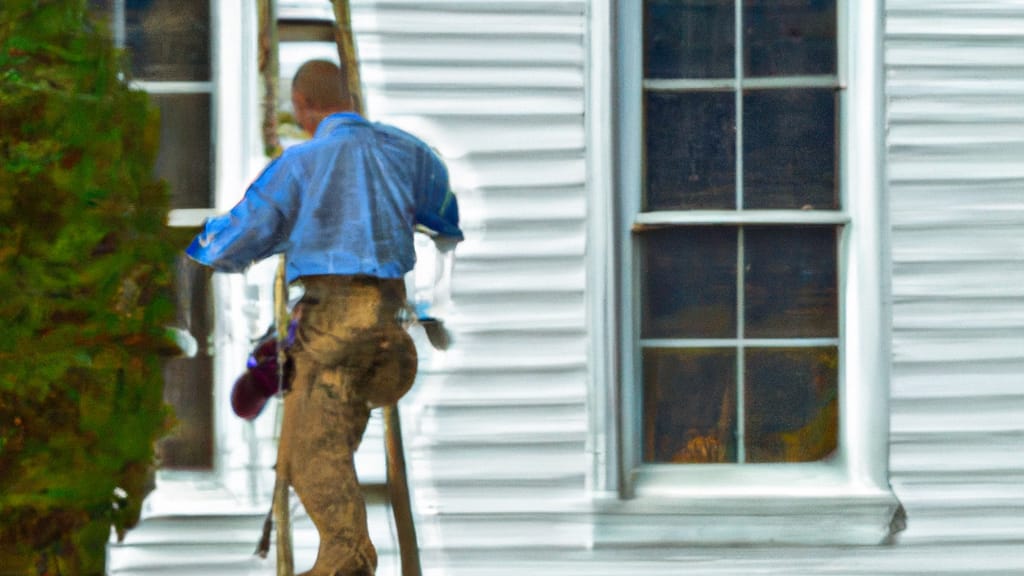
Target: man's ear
[(299, 100)]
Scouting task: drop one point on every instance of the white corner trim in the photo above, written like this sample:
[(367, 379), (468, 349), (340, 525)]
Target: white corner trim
[(601, 294)]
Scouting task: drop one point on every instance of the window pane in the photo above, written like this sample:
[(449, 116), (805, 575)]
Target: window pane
[(690, 156), (789, 147), (188, 382), (688, 283), (791, 404), (168, 39), (790, 282), (689, 405), (185, 157), (689, 38), (790, 38)]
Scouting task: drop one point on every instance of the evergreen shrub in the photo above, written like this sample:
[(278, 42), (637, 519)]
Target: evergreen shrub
[(86, 263)]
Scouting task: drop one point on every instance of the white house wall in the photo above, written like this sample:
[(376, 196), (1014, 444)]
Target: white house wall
[(496, 483), (496, 428), (498, 459), (956, 171)]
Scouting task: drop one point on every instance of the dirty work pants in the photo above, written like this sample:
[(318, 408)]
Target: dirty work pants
[(350, 354)]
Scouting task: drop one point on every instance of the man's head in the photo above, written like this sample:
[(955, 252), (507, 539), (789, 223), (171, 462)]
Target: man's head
[(318, 90)]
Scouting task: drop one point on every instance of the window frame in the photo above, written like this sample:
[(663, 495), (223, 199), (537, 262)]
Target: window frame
[(858, 472), (236, 156)]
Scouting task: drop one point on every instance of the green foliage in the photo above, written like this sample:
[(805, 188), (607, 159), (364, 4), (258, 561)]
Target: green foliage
[(86, 264)]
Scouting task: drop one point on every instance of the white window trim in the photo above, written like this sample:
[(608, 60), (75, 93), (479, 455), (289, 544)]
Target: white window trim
[(846, 499), (237, 156)]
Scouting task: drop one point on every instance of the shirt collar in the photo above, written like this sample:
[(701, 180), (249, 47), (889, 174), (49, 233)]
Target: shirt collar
[(328, 124)]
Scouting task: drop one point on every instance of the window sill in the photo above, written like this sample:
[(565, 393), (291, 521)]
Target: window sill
[(189, 217), (812, 504)]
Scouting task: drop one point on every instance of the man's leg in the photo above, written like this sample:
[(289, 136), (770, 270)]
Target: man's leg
[(327, 427), (349, 350)]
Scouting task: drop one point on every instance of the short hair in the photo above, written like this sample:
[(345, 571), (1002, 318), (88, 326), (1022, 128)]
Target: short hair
[(320, 81)]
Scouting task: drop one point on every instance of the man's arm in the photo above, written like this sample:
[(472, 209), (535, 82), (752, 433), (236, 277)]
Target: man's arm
[(257, 227)]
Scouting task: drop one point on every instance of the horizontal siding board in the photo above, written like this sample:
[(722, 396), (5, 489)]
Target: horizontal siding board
[(998, 312), (517, 172), (504, 134), (472, 106), (957, 348), (412, 23), (507, 424), (456, 75), (953, 380), (538, 386), (535, 464), (910, 108), (967, 244), (953, 53), (934, 560), (498, 52), (922, 418), (912, 83), (498, 6)]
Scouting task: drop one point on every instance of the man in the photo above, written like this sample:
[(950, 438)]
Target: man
[(342, 207)]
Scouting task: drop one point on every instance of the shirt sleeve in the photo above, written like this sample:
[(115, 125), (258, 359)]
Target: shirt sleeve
[(436, 206), (257, 227)]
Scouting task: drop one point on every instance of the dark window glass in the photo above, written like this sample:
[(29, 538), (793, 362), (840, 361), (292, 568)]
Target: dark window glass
[(185, 157), (168, 40), (789, 37), (789, 150), (688, 287), (188, 382), (689, 405), (791, 404), (689, 38), (790, 282), (690, 151)]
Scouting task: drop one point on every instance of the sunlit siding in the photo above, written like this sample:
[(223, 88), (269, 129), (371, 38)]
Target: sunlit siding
[(956, 170), (496, 426)]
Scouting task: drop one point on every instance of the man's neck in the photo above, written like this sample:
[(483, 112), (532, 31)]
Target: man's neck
[(320, 115)]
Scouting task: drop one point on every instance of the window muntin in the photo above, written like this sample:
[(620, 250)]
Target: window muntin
[(738, 348)]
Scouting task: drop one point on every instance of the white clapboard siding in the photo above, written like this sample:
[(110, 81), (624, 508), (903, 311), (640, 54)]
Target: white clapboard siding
[(497, 436), (496, 427), (956, 168)]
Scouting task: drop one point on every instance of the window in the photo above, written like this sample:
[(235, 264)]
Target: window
[(739, 257), (168, 45), (737, 274)]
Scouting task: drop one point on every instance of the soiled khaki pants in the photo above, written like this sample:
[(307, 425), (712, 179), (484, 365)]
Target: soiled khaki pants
[(350, 354)]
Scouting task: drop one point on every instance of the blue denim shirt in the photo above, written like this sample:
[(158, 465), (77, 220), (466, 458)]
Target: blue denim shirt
[(345, 202)]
